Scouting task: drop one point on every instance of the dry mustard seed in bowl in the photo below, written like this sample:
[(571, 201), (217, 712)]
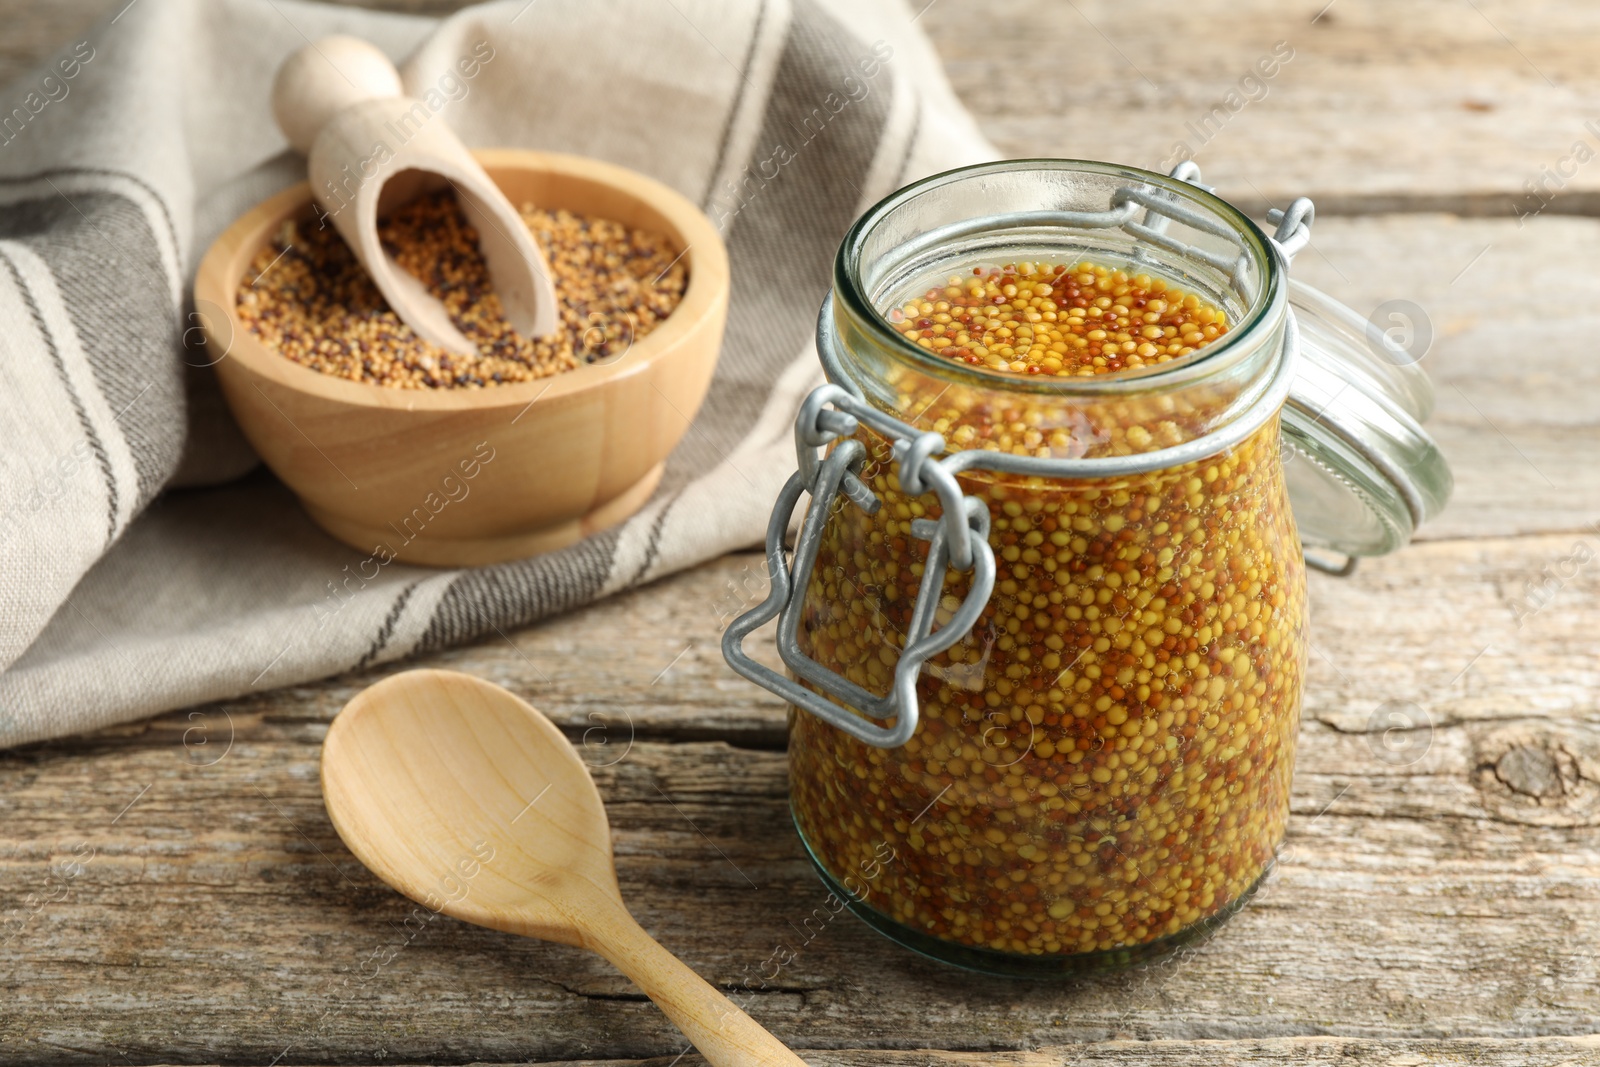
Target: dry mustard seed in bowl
[(574, 453), (313, 303)]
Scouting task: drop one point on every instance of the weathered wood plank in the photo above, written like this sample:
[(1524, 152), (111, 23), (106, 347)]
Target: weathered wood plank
[(1374, 925), (1511, 312), (1302, 1052), (1439, 895), (1425, 106), (1522, 613), (1417, 899)]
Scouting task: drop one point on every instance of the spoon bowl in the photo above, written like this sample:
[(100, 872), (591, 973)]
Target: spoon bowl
[(394, 767), (470, 802)]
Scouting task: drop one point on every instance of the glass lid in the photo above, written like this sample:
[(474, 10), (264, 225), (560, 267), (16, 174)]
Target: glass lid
[(1362, 472)]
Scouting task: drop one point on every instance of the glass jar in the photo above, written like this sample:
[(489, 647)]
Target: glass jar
[(1047, 634)]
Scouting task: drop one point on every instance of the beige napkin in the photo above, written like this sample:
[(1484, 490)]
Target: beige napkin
[(143, 565)]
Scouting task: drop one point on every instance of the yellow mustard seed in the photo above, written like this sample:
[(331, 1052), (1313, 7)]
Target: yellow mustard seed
[(1104, 760), (1062, 320)]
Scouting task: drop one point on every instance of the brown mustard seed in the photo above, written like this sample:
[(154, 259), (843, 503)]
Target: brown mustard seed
[(1065, 321), (1104, 760), (312, 301)]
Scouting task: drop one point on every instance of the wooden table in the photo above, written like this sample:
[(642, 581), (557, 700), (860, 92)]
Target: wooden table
[(1438, 899)]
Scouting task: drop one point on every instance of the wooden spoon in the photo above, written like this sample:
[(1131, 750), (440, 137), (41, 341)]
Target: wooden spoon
[(369, 149), (471, 802)]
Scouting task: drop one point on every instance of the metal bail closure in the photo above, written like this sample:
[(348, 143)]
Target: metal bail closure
[(959, 539), (1362, 473)]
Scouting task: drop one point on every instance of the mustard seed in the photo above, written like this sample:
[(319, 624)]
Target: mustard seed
[(1104, 760), (313, 302), (1064, 321)]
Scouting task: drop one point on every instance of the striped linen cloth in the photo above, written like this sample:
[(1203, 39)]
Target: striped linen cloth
[(147, 562)]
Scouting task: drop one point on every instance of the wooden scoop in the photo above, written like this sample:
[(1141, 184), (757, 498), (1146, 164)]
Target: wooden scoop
[(470, 802), (370, 148)]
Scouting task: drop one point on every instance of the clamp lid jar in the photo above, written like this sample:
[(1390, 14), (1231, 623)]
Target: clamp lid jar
[(1046, 614)]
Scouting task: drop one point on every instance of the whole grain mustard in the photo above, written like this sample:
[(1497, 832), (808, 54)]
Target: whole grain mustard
[(1104, 761)]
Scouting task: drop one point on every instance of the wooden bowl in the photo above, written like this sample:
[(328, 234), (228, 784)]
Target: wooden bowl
[(463, 477)]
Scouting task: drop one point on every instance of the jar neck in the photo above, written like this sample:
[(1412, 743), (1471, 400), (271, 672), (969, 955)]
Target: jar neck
[(1057, 211)]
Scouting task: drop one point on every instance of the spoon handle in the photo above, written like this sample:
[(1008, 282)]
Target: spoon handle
[(725, 1036)]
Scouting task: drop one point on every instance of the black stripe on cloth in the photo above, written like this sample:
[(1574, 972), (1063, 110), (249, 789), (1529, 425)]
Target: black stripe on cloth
[(386, 631), (911, 144), (733, 112), (653, 547), (103, 255), (77, 402), (787, 227), (106, 172), (514, 594)]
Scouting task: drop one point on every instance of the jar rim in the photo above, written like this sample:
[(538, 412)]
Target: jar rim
[(1269, 260)]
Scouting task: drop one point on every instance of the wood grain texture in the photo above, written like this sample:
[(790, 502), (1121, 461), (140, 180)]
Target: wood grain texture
[(1301, 1052), (1426, 106), (1441, 881), (1438, 899), (1511, 312), (470, 802)]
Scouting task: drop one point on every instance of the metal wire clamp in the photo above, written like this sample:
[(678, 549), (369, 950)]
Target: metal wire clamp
[(959, 539)]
